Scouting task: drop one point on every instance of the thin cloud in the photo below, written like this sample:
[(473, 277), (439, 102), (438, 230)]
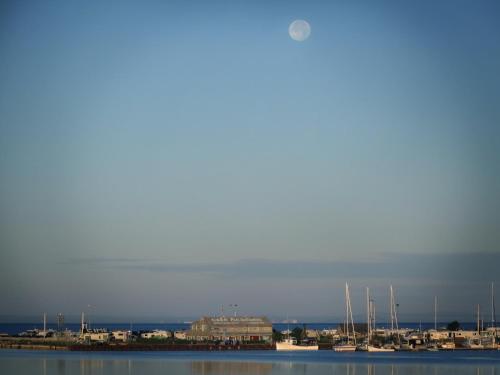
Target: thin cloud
[(463, 266)]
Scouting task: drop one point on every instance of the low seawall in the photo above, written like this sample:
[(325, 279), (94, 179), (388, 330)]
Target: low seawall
[(12, 345), (169, 347), (36, 344)]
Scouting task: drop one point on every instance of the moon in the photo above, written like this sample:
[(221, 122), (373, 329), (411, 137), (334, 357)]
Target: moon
[(299, 30)]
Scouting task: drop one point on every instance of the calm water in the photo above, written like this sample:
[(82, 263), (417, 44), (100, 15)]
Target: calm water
[(269, 362)]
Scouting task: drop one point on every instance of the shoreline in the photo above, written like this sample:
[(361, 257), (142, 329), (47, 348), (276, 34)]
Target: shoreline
[(72, 347)]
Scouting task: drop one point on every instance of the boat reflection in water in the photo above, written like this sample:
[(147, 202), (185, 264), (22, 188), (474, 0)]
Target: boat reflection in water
[(229, 368), (23, 363)]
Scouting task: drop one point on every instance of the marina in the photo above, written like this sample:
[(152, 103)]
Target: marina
[(258, 333)]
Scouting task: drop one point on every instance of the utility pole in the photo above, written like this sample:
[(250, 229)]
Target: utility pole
[(82, 322), (60, 322), (435, 312)]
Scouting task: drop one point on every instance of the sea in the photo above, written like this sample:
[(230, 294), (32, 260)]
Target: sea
[(21, 362)]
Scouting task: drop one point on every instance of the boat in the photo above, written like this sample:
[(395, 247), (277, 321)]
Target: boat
[(290, 344), (371, 326), (375, 349), (347, 346), (447, 345), (474, 344)]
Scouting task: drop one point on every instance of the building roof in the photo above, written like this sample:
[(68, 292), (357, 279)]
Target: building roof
[(234, 320)]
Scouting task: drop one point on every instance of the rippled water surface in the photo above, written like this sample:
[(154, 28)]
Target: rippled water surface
[(270, 362)]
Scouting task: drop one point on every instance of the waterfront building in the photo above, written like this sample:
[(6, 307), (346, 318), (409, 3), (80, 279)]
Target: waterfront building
[(237, 328), (312, 333), (462, 334), (180, 335), (438, 335), (156, 334), (329, 332), (95, 335), (121, 335)]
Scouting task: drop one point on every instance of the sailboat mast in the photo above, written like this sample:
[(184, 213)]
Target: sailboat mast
[(347, 311), (394, 313), (478, 328), (349, 315), (493, 312), (368, 315), (492, 305), (288, 327), (392, 309)]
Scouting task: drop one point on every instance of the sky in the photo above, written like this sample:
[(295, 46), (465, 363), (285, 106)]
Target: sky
[(159, 159)]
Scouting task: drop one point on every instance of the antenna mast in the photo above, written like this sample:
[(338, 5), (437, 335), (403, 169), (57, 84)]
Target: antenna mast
[(435, 312)]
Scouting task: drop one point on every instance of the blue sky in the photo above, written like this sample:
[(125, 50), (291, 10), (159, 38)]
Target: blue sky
[(177, 153)]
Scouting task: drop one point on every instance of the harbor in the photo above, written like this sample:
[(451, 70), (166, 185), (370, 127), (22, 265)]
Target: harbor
[(250, 333)]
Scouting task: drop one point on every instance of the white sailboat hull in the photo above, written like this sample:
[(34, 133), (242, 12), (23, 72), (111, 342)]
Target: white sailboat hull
[(285, 346), (344, 348), (374, 349)]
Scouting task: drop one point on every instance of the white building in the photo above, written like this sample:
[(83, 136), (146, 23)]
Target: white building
[(329, 332), (312, 333), (465, 334), (121, 335), (180, 335), (240, 328), (438, 335), (95, 336), (156, 334)]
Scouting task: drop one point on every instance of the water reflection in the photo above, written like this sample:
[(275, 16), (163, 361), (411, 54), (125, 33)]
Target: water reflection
[(230, 368), (143, 364)]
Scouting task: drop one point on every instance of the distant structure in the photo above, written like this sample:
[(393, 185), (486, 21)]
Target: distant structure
[(83, 324), (156, 334), (121, 335), (240, 328), (60, 322)]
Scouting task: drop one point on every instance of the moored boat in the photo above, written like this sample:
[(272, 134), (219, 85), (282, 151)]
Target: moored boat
[(375, 349), (344, 348), (347, 346), (291, 344)]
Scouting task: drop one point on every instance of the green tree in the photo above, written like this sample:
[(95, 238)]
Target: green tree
[(297, 333), (277, 336), (453, 326)]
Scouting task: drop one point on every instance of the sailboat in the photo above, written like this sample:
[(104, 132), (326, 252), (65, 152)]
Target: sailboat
[(476, 343), (494, 338), (371, 320), (291, 344), (347, 346)]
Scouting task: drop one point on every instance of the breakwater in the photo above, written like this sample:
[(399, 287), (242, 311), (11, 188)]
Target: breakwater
[(169, 347)]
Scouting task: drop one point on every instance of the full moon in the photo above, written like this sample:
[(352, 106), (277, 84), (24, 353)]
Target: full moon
[(299, 30)]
